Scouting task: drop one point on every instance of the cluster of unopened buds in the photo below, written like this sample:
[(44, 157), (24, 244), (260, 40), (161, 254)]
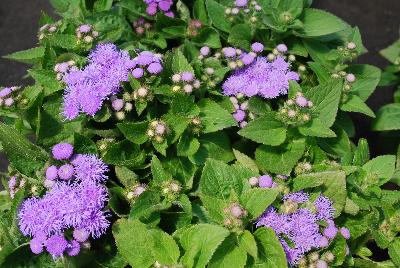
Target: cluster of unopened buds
[(185, 82), (157, 131), (48, 29), (348, 52), (141, 26), (196, 125), (163, 6), (65, 172), (241, 113), (349, 79), (280, 51), (86, 33), (63, 68), (15, 183), (146, 62), (303, 167), (142, 95), (295, 111), (9, 96), (136, 191), (316, 261), (264, 181), (194, 27), (170, 189), (208, 72), (237, 58), (234, 215), (248, 9), (120, 106)]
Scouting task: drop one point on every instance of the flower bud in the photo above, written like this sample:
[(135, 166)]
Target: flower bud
[(120, 115), (253, 181), (351, 45)]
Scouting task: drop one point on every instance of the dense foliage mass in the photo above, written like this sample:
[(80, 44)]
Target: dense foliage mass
[(206, 133)]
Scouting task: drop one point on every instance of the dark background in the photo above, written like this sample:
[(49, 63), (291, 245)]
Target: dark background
[(378, 21)]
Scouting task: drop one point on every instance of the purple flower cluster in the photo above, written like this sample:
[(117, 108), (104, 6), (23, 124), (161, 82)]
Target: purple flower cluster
[(108, 67), (74, 202), (86, 33), (63, 68), (8, 96), (298, 227), (164, 6), (261, 78), (141, 25), (185, 82)]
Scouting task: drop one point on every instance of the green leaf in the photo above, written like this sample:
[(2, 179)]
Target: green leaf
[(207, 37), (84, 145), (246, 161), (180, 63), (248, 243), (338, 147), (392, 52), (66, 41), (325, 98), (266, 130), (367, 78), (270, 251), (387, 118), (281, 159), (158, 172), (216, 13), (241, 36), (394, 252), (361, 153), (187, 146), (166, 251), (199, 11), (124, 153), (214, 117), (229, 255), (214, 145), (30, 56), (134, 242), (200, 242), (382, 166), (135, 132), (219, 179), (355, 104), (102, 5), (315, 128), (335, 189), (318, 23), (257, 200), (215, 208), (126, 176), (309, 180), (47, 79)]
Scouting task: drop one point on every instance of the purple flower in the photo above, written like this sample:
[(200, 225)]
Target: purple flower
[(56, 245), (262, 78), (85, 28), (66, 171), (205, 51), (12, 182), (96, 224), (324, 207), (187, 76), (265, 181), (73, 248), (257, 47), (229, 52), (8, 102), (240, 3), (155, 68), (5, 92), (151, 9), (323, 242), (282, 48), (80, 235), (239, 115), (36, 246), (345, 232), (301, 101), (298, 197), (247, 59), (322, 264), (138, 73), (350, 78), (330, 231), (117, 104), (89, 168), (62, 151)]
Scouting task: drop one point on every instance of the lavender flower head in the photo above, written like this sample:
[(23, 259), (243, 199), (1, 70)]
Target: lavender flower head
[(300, 231), (62, 151), (88, 88), (261, 78)]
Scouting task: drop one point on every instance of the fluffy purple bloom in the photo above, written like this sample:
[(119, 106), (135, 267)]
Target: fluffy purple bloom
[(85, 28), (262, 78), (138, 72), (345, 232), (5, 92), (239, 115), (62, 151), (117, 104), (56, 245), (73, 248), (145, 58), (151, 9), (301, 101), (88, 88), (155, 68), (324, 207), (247, 59), (205, 51), (96, 224), (187, 76), (298, 197), (282, 48), (89, 168), (330, 231), (12, 182), (165, 5), (265, 181), (241, 3), (66, 171), (229, 52), (36, 246), (257, 47), (323, 242), (80, 235)]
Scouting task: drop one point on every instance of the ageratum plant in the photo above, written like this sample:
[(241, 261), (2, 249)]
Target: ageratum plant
[(193, 134)]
